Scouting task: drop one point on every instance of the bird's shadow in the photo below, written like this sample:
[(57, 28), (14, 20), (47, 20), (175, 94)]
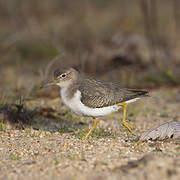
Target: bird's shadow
[(48, 119)]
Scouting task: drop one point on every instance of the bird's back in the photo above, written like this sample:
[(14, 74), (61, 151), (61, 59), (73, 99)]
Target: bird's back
[(97, 93)]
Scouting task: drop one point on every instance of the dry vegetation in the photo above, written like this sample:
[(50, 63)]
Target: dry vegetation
[(134, 42)]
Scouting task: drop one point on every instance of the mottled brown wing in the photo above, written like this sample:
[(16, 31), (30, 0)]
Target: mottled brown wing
[(96, 93)]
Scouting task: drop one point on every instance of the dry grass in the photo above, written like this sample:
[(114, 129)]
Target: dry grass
[(108, 39)]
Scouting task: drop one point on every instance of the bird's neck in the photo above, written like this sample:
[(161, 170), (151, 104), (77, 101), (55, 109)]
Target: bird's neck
[(70, 90)]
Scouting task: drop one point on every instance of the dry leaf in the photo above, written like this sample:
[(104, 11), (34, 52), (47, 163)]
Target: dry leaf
[(169, 129)]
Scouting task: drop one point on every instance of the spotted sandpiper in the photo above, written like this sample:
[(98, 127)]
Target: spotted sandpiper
[(88, 96)]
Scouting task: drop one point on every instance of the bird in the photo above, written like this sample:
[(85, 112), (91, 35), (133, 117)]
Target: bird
[(88, 96)]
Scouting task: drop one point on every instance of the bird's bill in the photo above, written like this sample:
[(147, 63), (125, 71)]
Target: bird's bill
[(48, 83)]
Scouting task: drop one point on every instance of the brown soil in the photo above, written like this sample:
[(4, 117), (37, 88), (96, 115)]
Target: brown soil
[(58, 149)]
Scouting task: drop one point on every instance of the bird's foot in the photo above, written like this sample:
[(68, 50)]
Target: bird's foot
[(91, 130), (128, 127)]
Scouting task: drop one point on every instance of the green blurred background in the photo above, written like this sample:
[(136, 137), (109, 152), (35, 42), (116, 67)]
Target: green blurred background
[(136, 43)]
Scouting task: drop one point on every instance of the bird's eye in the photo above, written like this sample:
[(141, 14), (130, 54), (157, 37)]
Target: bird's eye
[(63, 75)]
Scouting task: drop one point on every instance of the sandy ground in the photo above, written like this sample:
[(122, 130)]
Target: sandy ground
[(58, 150)]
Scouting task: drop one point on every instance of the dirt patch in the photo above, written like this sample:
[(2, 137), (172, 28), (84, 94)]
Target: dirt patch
[(54, 146)]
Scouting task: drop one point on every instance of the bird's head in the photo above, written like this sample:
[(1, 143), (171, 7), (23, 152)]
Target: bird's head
[(63, 77)]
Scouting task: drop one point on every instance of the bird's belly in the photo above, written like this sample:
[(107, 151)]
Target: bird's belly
[(79, 108)]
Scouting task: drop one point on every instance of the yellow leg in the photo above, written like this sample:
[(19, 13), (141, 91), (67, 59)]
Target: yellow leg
[(124, 122), (94, 126)]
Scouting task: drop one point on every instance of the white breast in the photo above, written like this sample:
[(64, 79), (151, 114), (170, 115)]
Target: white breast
[(78, 107)]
